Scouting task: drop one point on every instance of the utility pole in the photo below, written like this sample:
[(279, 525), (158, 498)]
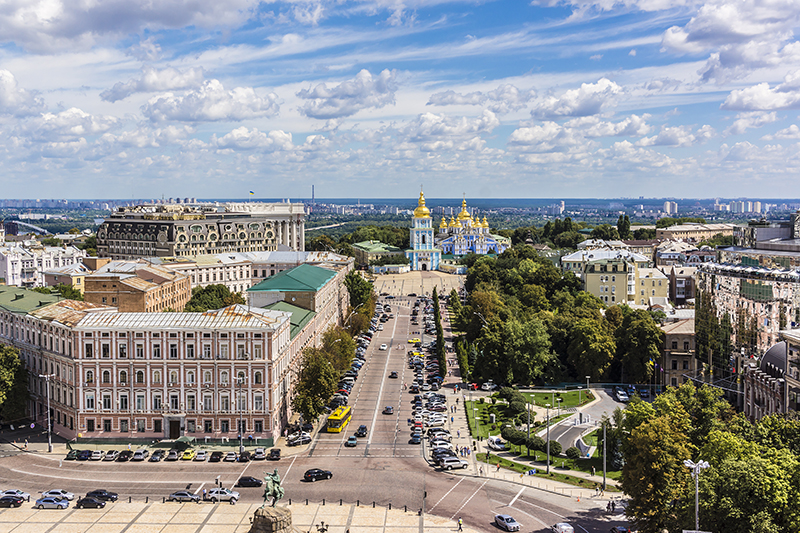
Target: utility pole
[(47, 383), (696, 468), (548, 439), (604, 455)]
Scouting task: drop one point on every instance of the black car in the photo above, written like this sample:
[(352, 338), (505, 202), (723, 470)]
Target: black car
[(103, 495), (157, 456), (244, 457), (438, 453), (84, 455), (11, 501), (215, 457), (361, 431), (393, 375), (93, 503), (249, 481), (315, 473), (125, 455), (274, 454)]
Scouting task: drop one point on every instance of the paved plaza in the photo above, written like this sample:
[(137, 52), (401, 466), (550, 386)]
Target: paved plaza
[(123, 517)]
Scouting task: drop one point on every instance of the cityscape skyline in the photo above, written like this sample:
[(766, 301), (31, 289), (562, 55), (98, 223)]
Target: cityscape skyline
[(543, 99)]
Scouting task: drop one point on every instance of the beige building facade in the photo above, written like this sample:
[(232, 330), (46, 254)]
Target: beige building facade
[(678, 360)]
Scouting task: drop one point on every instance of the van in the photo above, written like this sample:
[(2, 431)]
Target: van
[(449, 463), (496, 443)]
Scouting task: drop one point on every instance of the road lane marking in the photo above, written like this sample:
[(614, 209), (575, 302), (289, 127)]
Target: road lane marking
[(468, 499), (517, 509), (551, 512), (286, 475), (446, 494), (380, 390), (517, 496)]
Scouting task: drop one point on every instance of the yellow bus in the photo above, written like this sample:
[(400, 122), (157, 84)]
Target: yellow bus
[(339, 419)]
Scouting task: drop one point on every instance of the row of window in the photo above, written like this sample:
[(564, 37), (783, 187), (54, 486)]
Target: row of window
[(173, 351), (192, 425), (258, 377), (173, 402)]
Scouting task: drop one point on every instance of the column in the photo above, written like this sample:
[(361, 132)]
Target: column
[(302, 227)]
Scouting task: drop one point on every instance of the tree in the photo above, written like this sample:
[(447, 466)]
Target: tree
[(624, 227), (316, 383), (555, 448), (359, 288), (644, 234), (10, 365), (606, 232), (51, 241), (212, 297), (339, 347), (591, 349), (514, 351), (639, 346), (90, 246)]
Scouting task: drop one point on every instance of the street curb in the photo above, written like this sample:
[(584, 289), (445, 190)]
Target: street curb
[(519, 484)]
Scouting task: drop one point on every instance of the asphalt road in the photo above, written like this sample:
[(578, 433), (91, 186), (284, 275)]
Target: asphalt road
[(383, 468)]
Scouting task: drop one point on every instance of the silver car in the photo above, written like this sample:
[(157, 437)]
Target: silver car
[(58, 493), (506, 523), (51, 503), (14, 492)]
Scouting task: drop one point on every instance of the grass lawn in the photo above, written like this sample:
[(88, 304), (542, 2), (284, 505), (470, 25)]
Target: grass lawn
[(556, 473), (484, 428), (568, 399)]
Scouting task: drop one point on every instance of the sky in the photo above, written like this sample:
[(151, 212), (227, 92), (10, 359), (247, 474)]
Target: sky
[(379, 98)]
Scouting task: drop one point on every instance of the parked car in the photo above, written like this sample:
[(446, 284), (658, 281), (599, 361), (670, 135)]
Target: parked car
[(11, 501), (140, 455), (90, 503), (173, 455), (620, 529), (157, 456), (249, 481), (188, 455), (104, 495), (274, 454), (72, 455), (215, 457), (449, 463), (111, 455), (230, 457), (202, 455), (563, 527), (496, 443), (297, 441), (124, 455), (183, 496), (49, 502), (17, 493), (315, 474), (58, 493), (506, 522), (351, 442), (223, 495), (97, 455), (415, 439), (84, 455), (244, 457), (259, 454)]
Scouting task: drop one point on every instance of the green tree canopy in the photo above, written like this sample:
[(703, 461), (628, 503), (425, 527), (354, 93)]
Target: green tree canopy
[(316, 383), (639, 346), (591, 349), (212, 297), (10, 365)]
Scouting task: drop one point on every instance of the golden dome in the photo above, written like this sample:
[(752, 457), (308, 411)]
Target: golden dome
[(421, 211), (443, 225), (485, 223), (464, 214), (453, 223)]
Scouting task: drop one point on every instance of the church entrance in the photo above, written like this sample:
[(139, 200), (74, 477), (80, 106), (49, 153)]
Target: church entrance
[(424, 266)]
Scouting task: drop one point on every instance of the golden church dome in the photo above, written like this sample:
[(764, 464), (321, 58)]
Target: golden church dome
[(453, 223), (485, 223), (421, 211), (443, 224), (464, 214)]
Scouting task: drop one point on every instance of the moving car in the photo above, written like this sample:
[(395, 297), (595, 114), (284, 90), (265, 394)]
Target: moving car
[(11, 501), (51, 503), (393, 375), (361, 431), (563, 527), (351, 442), (93, 503), (620, 529), (104, 495), (506, 523), (249, 481), (58, 493), (183, 496), (274, 454), (384, 347), (388, 410), (297, 441), (223, 495), (315, 474)]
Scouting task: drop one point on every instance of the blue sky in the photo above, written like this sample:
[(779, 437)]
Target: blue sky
[(375, 98)]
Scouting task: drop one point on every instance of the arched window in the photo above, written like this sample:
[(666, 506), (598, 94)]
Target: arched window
[(173, 377), (106, 376), (240, 376), (190, 377), (139, 376), (224, 377), (89, 376), (206, 377), (157, 376), (258, 378), (123, 377)]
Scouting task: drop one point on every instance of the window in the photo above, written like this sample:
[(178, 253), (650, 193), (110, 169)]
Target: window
[(89, 376), (123, 377), (191, 426), (139, 376), (258, 426), (685, 346), (208, 426), (224, 377), (123, 402), (258, 402), (190, 351), (106, 376), (674, 364), (140, 425), (156, 351), (257, 351), (123, 351), (208, 404), (173, 378), (140, 402), (157, 426), (223, 351), (225, 403), (674, 345), (207, 377), (173, 351), (191, 403), (157, 376), (140, 351), (190, 377), (90, 401), (89, 351), (105, 351), (224, 426), (257, 378), (207, 351), (173, 402), (106, 401), (90, 424), (157, 401), (106, 424), (674, 382), (613, 279), (686, 364)]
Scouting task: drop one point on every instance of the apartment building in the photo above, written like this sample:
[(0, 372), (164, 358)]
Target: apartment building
[(24, 264), (137, 287), (682, 286), (611, 275), (651, 284), (678, 358), (367, 251), (772, 382), (694, 231), (72, 275), (184, 231)]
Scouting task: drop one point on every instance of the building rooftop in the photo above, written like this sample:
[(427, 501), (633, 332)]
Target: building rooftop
[(679, 327), (375, 247), (303, 278), (651, 273), (597, 255), (298, 317), (18, 300), (69, 312)]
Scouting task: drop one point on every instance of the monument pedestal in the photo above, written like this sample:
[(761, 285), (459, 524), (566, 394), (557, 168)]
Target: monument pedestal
[(273, 520)]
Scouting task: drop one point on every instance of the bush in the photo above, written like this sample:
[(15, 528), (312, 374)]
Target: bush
[(506, 393), (516, 407), (573, 452), (480, 400), (555, 448), (494, 400), (535, 443)]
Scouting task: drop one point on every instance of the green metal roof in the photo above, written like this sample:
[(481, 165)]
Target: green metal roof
[(303, 278), (19, 300), (299, 316), (375, 247)]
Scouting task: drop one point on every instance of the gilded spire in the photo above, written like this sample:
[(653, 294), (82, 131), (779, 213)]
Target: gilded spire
[(421, 211)]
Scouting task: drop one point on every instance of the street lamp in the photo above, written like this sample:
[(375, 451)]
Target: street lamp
[(548, 438), (696, 468), (47, 380)]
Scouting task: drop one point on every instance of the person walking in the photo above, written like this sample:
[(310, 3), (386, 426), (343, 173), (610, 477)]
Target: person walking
[(498, 467), (458, 433), (613, 506), (460, 524), (592, 470), (480, 470)]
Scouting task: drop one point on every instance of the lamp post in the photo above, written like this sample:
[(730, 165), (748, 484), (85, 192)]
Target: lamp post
[(47, 383), (587, 388), (559, 406), (696, 468), (240, 381), (548, 438)]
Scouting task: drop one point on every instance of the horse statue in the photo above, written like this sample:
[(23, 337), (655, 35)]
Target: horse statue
[(272, 487)]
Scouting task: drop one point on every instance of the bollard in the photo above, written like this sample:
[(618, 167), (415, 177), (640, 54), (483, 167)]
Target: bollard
[(323, 502), (340, 502), (146, 499), (306, 501), (290, 501), (420, 512), (373, 505), (163, 499), (405, 508), (390, 506), (358, 502), (129, 499)]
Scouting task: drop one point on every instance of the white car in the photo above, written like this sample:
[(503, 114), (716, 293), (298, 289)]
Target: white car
[(435, 422), (97, 455), (622, 396), (230, 457), (495, 443), (384, 347), (14, 492), (506, 522), (223, 495), (439, 443), (58, 493), (202, 455), (488, 386), (563, 527)]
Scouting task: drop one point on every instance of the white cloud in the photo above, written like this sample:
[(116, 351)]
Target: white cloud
[(15, 100), (502, 100), (66, 126), (145, 137), (247, 139), (351, 96), (746, 121), (632, 53), (589, 99), (633, 125), (670, 136), (763, 98), (596, 57), (792, 132), (153, 80), (545, 138), (211, 102)]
